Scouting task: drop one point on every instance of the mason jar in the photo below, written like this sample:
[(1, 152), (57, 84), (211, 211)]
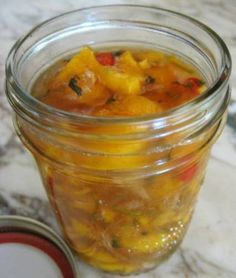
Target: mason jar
[(123, 189)]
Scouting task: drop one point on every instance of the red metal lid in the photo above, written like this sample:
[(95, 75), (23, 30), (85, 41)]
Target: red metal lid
[(30, 249)]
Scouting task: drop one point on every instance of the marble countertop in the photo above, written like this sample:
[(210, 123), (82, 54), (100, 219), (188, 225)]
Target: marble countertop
[(209, 248)]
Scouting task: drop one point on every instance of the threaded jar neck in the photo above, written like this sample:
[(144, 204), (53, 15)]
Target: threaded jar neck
[(120, 25)]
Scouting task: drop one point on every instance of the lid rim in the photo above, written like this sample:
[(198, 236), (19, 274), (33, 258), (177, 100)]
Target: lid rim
[(20, 224), (42, 244)]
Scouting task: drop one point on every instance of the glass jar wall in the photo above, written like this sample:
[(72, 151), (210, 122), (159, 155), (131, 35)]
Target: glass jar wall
[(123, 189)]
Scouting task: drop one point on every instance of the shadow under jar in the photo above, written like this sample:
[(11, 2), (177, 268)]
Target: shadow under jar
[(123, 189)]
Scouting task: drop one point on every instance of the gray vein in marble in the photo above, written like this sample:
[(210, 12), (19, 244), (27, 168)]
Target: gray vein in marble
[(19, 204), (223, 161), (196, 265)]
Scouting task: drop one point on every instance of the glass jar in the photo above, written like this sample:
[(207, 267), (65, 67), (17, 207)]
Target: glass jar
[(123, 189)]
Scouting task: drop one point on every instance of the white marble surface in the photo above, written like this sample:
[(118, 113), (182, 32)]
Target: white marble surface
[(209, 249)]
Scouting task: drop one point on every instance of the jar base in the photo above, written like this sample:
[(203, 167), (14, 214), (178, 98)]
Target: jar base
[(145, 270)]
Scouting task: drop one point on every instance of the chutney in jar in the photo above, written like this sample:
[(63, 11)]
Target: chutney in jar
[(123, 223)]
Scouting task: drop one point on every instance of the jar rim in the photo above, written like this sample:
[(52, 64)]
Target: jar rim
[(36, 105)]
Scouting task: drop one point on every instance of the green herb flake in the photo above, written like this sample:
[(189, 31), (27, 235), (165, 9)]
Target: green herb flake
[(117, 53), (201, 82), (115, 243), (194, 82), (66, 60), (150, 79), (144, 233), (110, 100), (74, 86), (188, 85)]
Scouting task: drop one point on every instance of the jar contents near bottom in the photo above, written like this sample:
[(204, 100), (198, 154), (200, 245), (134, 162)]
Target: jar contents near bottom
[(121, 223)]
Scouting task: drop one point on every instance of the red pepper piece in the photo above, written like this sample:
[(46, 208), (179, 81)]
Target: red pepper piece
[(189, 173), (193, 83), (50, 181), (105, 58)]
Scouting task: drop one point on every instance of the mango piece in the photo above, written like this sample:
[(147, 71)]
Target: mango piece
[(171, 217), (165, 218), (144, 222), (123, 156), (77, 65), (115, 267), (80, 70), (139, 105), (106, 261), (118, 82), (62, 98), (130, 106), (139, 242), (121, 83), (81, 228), (164, 187), (84, 246), (202, 89), (144, 64), (163, 75), (108, 215), (129, 65), (104, 257), (153, 57), (124, 80), (95, 95)]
